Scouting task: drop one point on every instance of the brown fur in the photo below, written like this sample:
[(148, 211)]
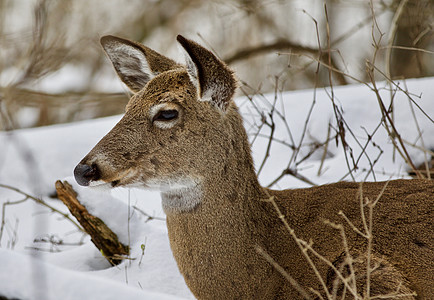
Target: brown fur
[(224, 215)]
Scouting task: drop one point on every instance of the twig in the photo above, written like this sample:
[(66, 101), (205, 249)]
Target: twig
[(349, 258), (272, 126), (41, 202), (313, 147), (398, 87), (427, 151), (337, 112), (299, 244), (421, 140), (353, 29), (281, 45), (368, 229), (369, 140), (264, 48), (393, 134), (394, 295), (408, 48), (308, 246), (292, 147), (324, 154), (4, 214), (282, 271), (149, 217), (292, 173)]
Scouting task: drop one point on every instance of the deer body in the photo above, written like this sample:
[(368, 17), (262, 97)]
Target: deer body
[(182, 134), (405, 238)]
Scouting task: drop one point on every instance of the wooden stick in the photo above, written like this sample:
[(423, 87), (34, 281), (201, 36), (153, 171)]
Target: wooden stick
[(102, 236)]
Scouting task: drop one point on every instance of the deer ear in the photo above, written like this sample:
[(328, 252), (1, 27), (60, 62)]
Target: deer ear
[(214, 81), (135, 63)]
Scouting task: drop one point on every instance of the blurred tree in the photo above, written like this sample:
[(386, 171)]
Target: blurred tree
[(53, 70), (415, 29)]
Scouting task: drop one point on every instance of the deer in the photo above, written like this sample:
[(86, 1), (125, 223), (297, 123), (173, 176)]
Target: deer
[(182, 135)]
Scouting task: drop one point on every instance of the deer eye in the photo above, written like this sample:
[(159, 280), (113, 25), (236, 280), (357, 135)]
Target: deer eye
[(166, 115)]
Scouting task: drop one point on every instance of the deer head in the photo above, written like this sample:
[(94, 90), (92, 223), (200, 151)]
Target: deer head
[(175, 128)]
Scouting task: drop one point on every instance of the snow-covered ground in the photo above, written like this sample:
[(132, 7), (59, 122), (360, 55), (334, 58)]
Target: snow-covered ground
[(70, 267)]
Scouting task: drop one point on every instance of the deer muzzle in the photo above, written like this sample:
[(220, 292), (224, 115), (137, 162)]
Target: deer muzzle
[(84, 174)]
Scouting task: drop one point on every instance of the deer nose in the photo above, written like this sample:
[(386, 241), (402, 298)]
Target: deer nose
[(84, 174)]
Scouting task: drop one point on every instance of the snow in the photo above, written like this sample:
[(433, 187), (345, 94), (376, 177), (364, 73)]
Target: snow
[(33, 159), (25, 277)]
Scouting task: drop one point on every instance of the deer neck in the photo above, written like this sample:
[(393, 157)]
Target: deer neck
[(227, 196), (227, 183), (232, 186), (219, 232)]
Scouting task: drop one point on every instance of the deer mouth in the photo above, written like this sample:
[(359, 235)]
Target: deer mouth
[(99, 184), (125, 178), (114, 183)]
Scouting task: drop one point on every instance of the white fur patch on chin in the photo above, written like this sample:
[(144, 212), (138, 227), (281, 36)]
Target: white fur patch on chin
[(181, 200), (179, 195)]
